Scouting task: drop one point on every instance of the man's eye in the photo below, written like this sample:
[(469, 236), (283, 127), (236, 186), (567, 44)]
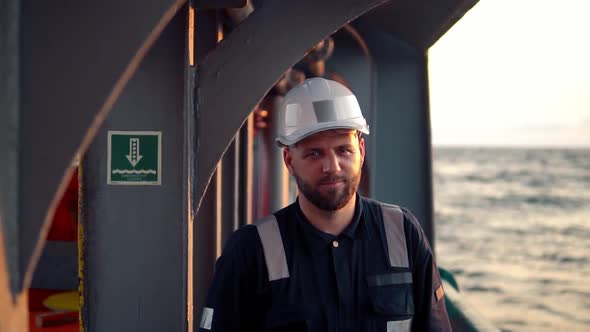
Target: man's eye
[(312, 154), (346, 150)]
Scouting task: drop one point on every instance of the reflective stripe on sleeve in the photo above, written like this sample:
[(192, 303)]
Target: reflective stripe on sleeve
[(272, 245), (393, 220), (399, 325), (206, 318)]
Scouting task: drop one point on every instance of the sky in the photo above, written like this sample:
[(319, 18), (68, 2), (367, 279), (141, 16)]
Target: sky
[(513, 73)]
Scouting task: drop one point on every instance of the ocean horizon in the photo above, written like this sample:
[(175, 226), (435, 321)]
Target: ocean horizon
[(513, 226), (514, 146)]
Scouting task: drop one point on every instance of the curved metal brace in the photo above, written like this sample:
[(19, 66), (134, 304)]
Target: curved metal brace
[(230, 81), (66, 88)]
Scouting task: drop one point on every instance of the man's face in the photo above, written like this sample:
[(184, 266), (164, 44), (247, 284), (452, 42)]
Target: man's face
[(327, 167)]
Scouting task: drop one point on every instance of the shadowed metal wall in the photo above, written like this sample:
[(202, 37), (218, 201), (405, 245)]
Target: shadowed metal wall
[(389, 78), (10, 276), (69, 61), (240, 79), (217, 216), (400, 166), (255, 40), (228, 87), (135, 235), (67, 66), (353, 62), (60, 67)]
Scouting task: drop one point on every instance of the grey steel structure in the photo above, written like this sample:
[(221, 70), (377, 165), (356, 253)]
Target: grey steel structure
[(70, 74)]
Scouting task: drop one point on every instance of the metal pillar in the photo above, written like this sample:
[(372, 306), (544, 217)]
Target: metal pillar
[(222, 114), (57, 86), (9, 148), (64, 69), (401, 167), (227, 201), (231, 193), (278, 175), (246, 137), (135, 254), (353, 62), (223, 106), (68, 79), (208, 220)]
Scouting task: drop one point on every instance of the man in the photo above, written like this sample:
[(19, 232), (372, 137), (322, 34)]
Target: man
[(333, 260)]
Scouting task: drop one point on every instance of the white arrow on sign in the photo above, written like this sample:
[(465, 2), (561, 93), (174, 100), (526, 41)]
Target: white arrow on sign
[(134, 157)]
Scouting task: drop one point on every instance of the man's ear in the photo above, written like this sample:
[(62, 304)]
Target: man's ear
[(362, 149), (288, 159)]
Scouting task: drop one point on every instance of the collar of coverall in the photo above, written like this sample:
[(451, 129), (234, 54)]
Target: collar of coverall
[(318, 240)]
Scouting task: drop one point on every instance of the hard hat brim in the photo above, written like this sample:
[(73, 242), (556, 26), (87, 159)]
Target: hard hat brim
[(288, 140)]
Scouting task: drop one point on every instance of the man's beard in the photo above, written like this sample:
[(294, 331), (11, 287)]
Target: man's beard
[(333, 199)]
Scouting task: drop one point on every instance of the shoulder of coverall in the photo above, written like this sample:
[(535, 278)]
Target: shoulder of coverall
[(416, 239), (244, 245), (419, 248), (243, 248)]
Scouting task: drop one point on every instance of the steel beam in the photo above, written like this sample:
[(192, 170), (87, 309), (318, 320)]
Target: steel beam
[(389, 77), (278, 173), (246, 176), (71, 68), (229, 86), (418, 22), (135, 243), (208, 220), (54, 73), (352, 61), (401, 170), (230, 190), (10, 113)]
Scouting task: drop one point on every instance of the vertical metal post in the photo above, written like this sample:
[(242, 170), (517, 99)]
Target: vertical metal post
[(246, 135), (279, 175), (208, 221), (135, 276), (13, 300), (217, 187), (353, 61), (10, 114), (260, 174), (189, 155), (230, 190), (402, 171)]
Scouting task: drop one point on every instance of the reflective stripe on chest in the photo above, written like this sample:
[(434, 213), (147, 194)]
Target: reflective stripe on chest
[(393, 221), (274, 251), (272, 245)]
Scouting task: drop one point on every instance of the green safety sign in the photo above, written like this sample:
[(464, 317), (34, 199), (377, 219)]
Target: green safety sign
[(135, 157)]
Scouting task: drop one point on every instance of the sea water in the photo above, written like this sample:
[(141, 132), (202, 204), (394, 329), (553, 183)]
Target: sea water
[(513, 226)]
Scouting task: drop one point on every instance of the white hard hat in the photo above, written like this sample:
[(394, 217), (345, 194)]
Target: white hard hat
[(316, 105)]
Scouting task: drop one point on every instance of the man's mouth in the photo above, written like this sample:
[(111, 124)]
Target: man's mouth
[(332, 181)]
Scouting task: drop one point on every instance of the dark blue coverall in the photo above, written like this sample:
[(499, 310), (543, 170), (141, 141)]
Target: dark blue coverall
[(335, 283)]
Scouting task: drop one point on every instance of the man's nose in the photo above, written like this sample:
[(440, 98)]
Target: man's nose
[(331, 164)]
